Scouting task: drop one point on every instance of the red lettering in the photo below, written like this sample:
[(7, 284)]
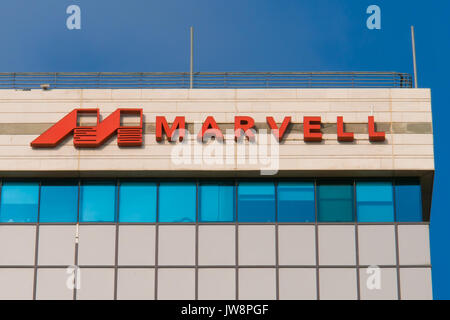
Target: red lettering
[(311, 129), (178, 124), (341, 135), (373, 135), (210, 128), (242, 125), (278, 133), (127, 136)]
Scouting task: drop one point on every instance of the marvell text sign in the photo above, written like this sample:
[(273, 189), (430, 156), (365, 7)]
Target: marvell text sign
[(93, 136)]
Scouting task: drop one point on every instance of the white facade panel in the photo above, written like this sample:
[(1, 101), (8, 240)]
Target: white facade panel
[(410, 149)]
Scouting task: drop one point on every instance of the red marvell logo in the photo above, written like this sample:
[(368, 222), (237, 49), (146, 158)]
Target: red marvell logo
[(92, 136), (131, 136)]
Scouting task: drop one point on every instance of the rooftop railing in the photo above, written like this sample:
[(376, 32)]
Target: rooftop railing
[(163, 80)]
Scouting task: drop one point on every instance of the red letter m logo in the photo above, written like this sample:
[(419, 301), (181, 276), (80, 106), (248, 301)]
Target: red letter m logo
[(92, 136)]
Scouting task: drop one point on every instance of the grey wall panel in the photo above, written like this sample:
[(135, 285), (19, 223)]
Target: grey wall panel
[(257, 284), (256, 245), (56, 245), (414, 244), (298, 284), (17, 244), (384, 289), (297, 245), (338, 284), (176, 245), (337, 245), (416, 284), (376, 245), (96, 284), (54, 284), (97, 245), (16, 284), (136, 245), (217, 284), (216, 245), (178, 284), (136, 284)]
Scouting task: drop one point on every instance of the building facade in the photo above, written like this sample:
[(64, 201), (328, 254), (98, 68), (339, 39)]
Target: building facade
[(132, 215)]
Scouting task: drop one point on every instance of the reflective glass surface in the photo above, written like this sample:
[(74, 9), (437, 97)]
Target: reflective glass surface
[(217, 202), (263, 201), (177, 202), (408, 201), (374, 201), (98, 201), (19, 201), (256, 202), (59, 201), (335, 202), (137, 202), (296, 202)]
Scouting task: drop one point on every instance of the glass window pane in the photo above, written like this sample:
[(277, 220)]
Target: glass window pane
[(98, 201), (256, 202), (19, 202), (408, 201), (335, 202), (59, 202), (137, 202), (177, 202), (296, 202), (374, 201), (217, 202)]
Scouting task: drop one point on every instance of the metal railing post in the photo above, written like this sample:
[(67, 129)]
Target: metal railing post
[(414, 55), (191, 75)]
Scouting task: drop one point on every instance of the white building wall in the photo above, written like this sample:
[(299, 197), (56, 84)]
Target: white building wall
[(25, 114)]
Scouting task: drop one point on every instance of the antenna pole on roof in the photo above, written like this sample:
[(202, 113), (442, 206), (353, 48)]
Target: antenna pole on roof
[(414, 56), (191, 74)]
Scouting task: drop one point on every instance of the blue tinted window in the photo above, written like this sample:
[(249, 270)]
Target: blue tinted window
[(217, 202), (374, 202), (177, 202), (408, 201), (98, 201), (335, 201), (296, 202), (59, 202), (256, 202), (19, 202), (137, 202)]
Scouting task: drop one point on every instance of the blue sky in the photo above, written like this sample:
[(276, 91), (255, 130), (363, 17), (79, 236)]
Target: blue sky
[(247, 35)]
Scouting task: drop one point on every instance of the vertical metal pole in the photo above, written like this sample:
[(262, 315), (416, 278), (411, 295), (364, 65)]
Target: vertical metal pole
[(192, 59), (414, 56)]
